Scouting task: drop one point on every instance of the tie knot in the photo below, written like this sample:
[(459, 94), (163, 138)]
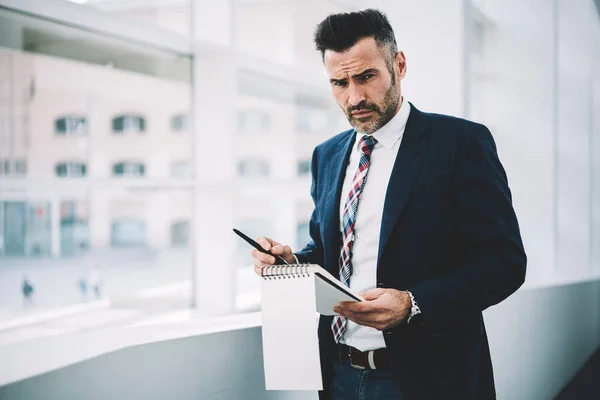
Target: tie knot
[(367, 142)]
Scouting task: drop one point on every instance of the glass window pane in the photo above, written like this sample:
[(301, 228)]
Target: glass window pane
[(302, 235), (71, 125), (129, 124), (303, 167), (74, 227), (179, 123), (21, 167), (72, 90), (253, 121), (314, 120), (171, 16), (61, 126), (180, 232), (275, 110), (71, 169), (181, 169), (128, 233), (253, 168)]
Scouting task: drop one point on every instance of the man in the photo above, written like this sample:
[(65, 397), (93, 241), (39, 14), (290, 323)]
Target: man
[(430, 238)]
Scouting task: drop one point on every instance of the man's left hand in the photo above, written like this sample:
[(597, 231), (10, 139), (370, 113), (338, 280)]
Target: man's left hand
[(383, 309)]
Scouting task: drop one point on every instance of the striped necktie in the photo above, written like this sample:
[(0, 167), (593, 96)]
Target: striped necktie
[(366, 144)]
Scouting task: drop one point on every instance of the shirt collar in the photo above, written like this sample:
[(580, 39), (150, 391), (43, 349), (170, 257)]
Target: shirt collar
[(391, 132)]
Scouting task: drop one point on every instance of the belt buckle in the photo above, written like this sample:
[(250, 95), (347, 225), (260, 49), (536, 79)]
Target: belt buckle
[(350, 358)]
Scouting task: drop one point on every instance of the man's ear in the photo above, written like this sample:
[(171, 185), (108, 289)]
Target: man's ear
[(400, 62)]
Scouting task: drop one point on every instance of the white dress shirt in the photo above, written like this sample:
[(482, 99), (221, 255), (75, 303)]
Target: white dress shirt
[(368, 219)]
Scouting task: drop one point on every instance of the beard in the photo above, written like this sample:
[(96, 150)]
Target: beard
[(383, 112)]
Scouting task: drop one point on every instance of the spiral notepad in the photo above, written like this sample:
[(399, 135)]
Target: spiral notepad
[(291, 294), (329, 291)]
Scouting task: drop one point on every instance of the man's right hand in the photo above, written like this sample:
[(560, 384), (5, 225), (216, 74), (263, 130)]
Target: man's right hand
[(262, 259)]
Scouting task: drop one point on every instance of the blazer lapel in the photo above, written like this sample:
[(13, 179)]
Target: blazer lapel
[(331, 209), (406, 168)]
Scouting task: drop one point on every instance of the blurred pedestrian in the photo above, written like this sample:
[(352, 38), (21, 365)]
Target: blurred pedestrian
[(83, 287), (95, 281), (27, 289)]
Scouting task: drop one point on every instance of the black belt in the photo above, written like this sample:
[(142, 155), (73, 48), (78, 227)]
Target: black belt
[(372, 359)]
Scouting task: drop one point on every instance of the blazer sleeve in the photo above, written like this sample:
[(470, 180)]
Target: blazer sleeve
[(495, 260), (313, 252)]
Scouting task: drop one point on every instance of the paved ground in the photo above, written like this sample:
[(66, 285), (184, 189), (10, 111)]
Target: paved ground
[(123, 274), (138, 287)]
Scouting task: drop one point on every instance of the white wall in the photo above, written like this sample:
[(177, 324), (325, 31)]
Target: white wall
[(220, 366), (540, 338)]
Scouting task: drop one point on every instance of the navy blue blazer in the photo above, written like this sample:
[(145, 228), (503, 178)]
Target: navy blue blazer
[(449, 234)]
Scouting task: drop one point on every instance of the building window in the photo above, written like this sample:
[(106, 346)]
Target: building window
[(16, 168), (129, 124), (179, 123), (21, 167), (253, 168), (71, 125), (303, 167), (180, 234), (71, 169), (128, 233), (478, 35), (253, 121), (74, 230), (129, 169), (181, 169), (314, 120)]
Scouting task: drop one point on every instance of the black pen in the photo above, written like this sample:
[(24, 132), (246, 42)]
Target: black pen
[(278, 259)]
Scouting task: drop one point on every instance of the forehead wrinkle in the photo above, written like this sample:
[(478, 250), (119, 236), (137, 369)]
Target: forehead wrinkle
[(345, 70)]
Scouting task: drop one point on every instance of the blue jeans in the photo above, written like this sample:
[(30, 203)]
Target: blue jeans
[(351, 383)]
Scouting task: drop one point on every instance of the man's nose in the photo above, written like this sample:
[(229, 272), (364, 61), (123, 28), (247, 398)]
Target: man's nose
[(355, 94)]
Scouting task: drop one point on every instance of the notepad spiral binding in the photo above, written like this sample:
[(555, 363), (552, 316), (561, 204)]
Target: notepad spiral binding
[(289, 271)]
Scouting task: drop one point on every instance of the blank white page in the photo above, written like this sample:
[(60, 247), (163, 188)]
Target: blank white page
[(329, 296), (289, 332)]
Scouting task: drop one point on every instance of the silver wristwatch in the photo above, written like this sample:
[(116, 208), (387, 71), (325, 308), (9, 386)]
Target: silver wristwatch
[(414, 309)]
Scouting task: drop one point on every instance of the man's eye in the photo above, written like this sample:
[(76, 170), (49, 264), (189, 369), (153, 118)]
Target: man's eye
[(367, 76), (339, 83)]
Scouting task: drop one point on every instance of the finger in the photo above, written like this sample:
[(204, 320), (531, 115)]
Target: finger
[(262, 257), (261, 264), (358, 307), (373, 294), (265, 242), (281, 250), (258, 269), (361, 321), (377, 321)]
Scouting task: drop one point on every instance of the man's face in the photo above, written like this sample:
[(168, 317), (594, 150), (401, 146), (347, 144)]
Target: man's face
[(363, 86)]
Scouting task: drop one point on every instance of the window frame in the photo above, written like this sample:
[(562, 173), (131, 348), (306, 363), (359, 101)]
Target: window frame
[(127, 172), (70, 167), (70, 120), (127, 123)]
